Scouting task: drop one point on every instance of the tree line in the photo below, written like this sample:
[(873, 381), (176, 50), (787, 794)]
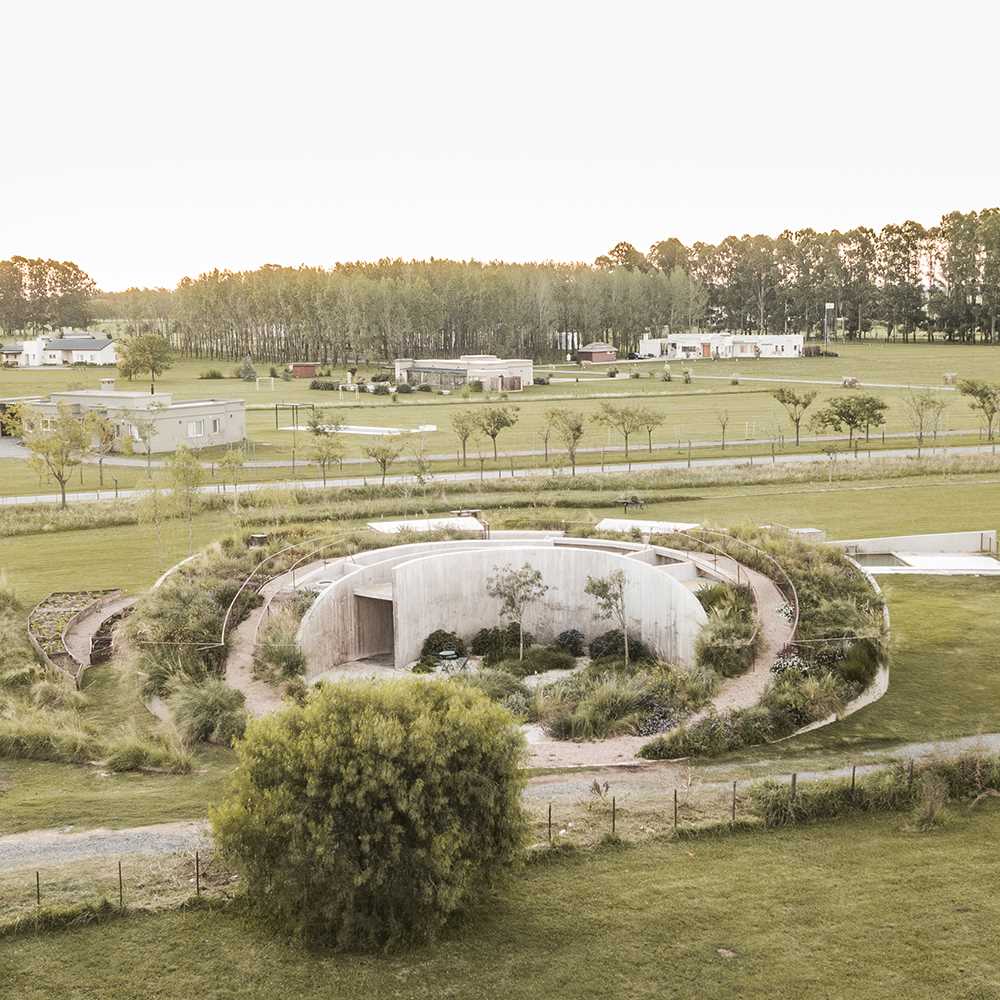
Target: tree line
[(904, 278), (38, 295)]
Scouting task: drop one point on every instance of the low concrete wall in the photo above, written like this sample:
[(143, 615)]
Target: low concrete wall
[(449, 591), (950, 541)]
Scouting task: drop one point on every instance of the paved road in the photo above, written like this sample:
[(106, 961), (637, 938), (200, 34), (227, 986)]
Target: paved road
[(608, 468)]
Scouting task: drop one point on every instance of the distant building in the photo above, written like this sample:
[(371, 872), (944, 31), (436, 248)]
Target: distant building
[(202, 423), (304, 369), (9, 354), (69, 349), (496, 374), (689, 346), (597, 352)]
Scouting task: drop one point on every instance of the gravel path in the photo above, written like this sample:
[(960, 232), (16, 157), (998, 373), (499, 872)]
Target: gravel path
[(37, 848), (52, 847)]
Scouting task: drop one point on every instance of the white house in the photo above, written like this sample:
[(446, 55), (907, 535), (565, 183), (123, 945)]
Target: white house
[(69, 349), (690, 346)]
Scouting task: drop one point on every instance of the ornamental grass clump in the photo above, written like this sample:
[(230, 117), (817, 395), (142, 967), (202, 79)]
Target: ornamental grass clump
[(373, 813)]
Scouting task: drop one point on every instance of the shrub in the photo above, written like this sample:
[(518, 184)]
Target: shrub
[(537, 660), (497, 685), (442, 639), (541, 380), (476, 385), (425, 665), (278, 655), (37, 734), (424, 387), (404, 388), (324, 385), (612, 643), (380, 389), (209, 712), (495, 644), (373, 813), (597, 704), (728, 644), (572, 641), (212, 373), (713, 735), (129, 750), (49, 693)]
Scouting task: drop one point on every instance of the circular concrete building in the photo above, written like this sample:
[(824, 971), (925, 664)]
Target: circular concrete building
[(387, 601)]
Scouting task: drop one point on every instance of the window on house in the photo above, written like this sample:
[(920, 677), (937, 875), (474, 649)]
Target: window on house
[(196, 429), (216, 425)]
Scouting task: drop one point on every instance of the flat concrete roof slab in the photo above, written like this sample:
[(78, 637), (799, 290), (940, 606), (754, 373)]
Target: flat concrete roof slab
[(428, 524), (627, 524)]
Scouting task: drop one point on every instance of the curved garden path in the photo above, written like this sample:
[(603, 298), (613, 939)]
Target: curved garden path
[(261, 697), (80, 634), (736, 692)]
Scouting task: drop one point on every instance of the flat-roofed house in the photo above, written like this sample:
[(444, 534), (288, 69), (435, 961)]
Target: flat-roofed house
[(201, 423), (496, 374)]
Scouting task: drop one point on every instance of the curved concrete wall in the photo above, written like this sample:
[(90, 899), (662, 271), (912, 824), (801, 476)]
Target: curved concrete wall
[(449, 591)]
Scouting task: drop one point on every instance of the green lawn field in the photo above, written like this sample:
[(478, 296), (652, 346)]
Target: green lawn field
[(689, 412), (858, 910)]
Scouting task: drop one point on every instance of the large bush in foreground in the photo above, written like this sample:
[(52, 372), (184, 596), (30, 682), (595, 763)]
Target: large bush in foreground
[(369, 815)]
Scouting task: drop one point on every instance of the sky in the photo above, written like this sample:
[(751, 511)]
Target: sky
[(150, 141)]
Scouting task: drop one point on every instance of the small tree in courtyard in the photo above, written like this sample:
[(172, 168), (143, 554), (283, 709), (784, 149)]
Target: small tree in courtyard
[(516, 589), (609, 593), (186, 475), (368, 816), (649, 421)]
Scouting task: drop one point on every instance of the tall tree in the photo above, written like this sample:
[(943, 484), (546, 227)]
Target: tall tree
[(624, 420), (795, 404), (145, 353), (491, 420), (983, 397), (57, 444)]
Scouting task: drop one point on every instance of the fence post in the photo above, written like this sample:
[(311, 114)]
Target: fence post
[(794, 779), (854, 775), (675, 810), (909, 778), (38, 890), (613, 815), (121, 888), (550, 822), (197, 874), (734, 802)]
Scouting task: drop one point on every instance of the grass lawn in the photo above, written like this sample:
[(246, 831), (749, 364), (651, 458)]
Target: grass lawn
[(945, 678), (689, 411), (860, 910)]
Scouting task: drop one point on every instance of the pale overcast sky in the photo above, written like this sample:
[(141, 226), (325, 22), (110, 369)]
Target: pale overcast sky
[(147, 141)]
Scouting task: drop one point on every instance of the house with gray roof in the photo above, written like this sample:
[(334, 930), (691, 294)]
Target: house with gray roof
[(72, 347)]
